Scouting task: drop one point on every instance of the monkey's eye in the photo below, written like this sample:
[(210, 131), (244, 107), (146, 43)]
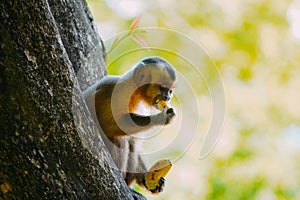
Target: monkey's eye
[(162, 88)]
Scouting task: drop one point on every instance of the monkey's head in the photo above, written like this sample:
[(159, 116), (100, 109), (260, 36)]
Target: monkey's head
[(155, 79)]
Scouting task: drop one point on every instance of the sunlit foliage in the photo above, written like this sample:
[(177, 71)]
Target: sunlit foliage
[(256, 47)]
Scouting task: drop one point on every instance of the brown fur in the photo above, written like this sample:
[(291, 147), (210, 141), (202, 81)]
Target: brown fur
[(113, 102)]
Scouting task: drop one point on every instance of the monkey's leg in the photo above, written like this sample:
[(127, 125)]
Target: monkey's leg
[(140, 177), (136, 168), (119, 149)]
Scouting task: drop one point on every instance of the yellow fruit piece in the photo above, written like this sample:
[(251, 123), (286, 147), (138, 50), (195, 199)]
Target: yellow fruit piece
[(162, 104), (156, 172)]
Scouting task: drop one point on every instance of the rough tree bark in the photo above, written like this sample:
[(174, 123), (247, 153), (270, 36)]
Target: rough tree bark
[(49, 146)]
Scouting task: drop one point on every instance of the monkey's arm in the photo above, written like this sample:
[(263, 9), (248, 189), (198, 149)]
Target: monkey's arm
[(132, 123), (159, 119), (139, 119)]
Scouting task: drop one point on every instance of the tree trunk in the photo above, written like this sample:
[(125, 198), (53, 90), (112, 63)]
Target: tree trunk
[(49, 146)]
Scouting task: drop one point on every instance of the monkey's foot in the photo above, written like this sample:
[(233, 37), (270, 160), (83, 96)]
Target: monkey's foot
[(159, 187), (154, 179)]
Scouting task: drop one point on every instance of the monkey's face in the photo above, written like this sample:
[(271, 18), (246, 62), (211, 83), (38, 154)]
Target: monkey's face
[(155, 79), (164, 93), (152, 93)]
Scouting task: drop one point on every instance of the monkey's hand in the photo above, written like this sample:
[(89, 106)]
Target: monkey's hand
[(163, 117), (158, 187), (170, 115)]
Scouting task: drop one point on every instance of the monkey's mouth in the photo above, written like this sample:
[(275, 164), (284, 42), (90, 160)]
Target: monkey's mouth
[(157, 101)]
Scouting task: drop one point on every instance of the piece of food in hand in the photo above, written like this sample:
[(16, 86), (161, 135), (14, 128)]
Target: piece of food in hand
[(154, 179), (160, 104)]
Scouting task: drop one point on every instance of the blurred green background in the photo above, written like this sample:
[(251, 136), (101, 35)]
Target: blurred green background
[(255, 44)]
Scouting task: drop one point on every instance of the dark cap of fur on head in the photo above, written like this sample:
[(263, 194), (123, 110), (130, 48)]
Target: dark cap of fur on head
[(157, 60)]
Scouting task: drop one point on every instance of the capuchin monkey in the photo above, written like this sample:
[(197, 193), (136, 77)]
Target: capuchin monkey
[(114, 100)]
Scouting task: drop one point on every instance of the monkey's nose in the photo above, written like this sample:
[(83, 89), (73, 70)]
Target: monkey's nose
[(166, 98)]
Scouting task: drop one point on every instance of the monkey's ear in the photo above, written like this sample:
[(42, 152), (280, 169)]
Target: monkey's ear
[(141, 75)]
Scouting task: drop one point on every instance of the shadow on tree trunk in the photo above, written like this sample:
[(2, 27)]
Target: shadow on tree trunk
[(45, 125)]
